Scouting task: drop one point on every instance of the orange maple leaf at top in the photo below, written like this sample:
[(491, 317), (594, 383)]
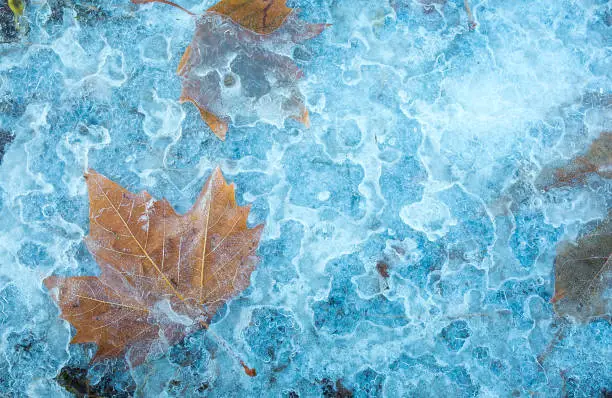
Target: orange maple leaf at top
[(163, 275), (237, 64), (260, 16)]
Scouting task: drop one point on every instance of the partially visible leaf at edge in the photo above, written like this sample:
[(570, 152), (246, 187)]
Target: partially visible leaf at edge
[(583, 273), (597, 160), (163, 275)]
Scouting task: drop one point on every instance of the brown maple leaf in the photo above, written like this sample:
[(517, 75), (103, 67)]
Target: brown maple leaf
[(583, 273), (163, 275), (237, 63)]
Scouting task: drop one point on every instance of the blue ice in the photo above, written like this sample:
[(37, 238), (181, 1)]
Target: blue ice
[(425, 145)]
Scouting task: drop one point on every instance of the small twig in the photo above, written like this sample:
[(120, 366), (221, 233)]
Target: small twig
[(163, 1), (559, 335), (471, 22)]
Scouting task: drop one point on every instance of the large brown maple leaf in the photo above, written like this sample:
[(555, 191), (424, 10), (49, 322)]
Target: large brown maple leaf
[(238, 64), (163, 275)]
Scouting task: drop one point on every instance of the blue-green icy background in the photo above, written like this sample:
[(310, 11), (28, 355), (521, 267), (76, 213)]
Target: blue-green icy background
[(425, 143)]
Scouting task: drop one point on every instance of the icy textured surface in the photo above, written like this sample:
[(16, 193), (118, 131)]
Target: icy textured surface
[(425, 143)]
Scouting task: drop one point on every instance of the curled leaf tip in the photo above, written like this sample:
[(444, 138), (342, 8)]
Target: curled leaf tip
[(251, 372), (558, 296)]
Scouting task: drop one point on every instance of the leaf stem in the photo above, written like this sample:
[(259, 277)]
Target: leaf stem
[(251, 372), (468, 10), (168, 2)]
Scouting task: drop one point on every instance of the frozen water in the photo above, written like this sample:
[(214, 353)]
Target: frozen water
[(425, 145)]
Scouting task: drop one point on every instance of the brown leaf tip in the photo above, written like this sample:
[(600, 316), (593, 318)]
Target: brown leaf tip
[(251, 372), (383, 269)]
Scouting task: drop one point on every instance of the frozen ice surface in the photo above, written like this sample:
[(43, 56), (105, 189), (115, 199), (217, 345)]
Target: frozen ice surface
[(426, 140)]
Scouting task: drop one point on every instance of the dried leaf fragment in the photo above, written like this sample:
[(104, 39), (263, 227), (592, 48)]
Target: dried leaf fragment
[(163, 275), (596, 161), (260, 16), (236, 64), (383, 269), (583, 273)]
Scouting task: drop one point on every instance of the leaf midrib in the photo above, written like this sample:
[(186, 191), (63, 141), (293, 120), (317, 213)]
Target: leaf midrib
[(176, 292)]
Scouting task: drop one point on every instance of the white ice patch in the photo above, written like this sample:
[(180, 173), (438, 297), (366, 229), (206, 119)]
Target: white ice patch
[(429, 216), (155, 49), (143, 220), (71, 53), (582, 208), (323, 196), (74, 149), (402, 251), (163, 117), (163, 309)]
